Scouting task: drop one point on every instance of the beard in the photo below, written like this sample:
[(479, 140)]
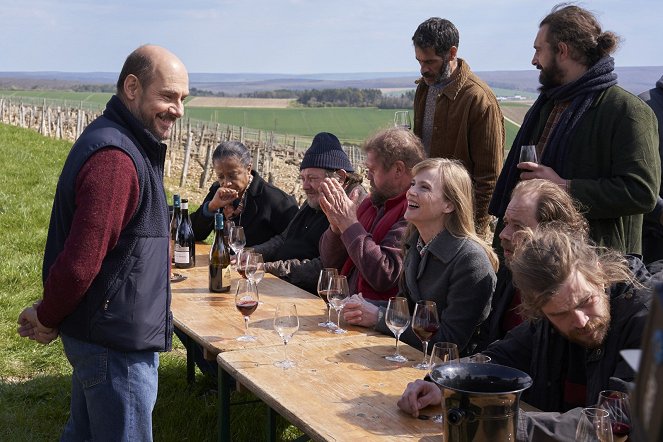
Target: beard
[(443, 74), (596, 329), (151, 124), (551, 76)]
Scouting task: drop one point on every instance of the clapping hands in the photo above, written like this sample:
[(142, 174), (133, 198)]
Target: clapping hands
[(341, 210)]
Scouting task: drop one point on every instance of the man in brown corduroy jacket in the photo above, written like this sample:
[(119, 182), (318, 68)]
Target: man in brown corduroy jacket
[(456, 114)]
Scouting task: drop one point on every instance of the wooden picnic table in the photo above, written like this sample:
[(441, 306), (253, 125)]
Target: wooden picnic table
[(340, 390), (212, 321)]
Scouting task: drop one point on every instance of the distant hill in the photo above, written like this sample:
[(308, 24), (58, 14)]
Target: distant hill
[(633, 79)]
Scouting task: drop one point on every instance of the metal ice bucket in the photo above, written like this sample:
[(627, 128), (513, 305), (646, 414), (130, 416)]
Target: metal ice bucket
[(480, 401)]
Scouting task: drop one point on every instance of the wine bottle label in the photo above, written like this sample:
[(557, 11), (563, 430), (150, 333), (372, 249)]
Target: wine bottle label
[(182, 255)]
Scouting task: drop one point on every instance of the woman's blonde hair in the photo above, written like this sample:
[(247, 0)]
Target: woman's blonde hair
[(457, 188)]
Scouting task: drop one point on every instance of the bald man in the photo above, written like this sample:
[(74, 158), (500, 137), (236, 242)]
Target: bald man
[(105, 271)]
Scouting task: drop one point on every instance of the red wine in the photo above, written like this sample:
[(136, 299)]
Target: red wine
[(247, 307), (241, 271), (324, 295), (425, 332), (621, 429)]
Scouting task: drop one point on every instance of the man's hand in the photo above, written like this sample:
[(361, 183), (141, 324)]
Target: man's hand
[(223, 197), (358, 311), (531, 171), (341, 211), (31, 328), (419, 394)]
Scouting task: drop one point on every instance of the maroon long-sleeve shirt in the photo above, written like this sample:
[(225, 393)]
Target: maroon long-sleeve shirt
[(107, 195)]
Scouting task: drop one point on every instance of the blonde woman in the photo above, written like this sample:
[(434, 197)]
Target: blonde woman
[(445, 260)]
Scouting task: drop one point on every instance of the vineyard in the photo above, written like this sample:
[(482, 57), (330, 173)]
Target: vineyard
[(276, 151)]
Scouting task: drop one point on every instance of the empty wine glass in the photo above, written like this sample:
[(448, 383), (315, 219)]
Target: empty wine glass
[(337, 295), (286, 324), (323, 291), (252, 263), (425, 323), (237, 239), (402, 120), (397, 319), (479, 358), (528, 153), (618, 405), (594, 426), (260, 268), (246, 301), (443, 353)]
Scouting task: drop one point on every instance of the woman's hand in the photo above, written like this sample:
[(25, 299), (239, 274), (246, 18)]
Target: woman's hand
[(223, 197), (358, 311)]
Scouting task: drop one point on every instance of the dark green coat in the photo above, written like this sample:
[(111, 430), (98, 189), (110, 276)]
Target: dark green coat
[(614, 166)]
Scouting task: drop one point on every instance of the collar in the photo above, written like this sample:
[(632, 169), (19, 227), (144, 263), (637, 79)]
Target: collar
[(118, 112), (444, 246), (456, 81), (393, 202)]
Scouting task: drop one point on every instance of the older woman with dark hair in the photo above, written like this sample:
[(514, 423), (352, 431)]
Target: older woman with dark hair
[(244, 197)]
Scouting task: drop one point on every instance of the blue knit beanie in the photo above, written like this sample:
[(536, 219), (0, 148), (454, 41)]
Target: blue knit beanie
[(326, 153)]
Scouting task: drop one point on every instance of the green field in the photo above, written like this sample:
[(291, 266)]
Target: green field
[(348, 123), (88, 97)]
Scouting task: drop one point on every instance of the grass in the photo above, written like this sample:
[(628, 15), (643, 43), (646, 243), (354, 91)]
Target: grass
[(35, 379)]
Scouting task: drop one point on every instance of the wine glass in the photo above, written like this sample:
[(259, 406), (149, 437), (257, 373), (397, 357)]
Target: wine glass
[(286, 323), (528, 153), (237, 240), (402, 120), (479, 358), (618, 405), (594, 426), (252, 262), (425, 323), (397, 319), (240, 260), (443, 353), (246, 301), (337, 294), (323, 291)]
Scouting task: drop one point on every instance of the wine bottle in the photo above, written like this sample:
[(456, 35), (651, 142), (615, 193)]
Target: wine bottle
[(219, 259), (185, 241), (174, 222)]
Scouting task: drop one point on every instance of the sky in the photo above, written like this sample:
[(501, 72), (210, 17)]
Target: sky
[(297, 36)]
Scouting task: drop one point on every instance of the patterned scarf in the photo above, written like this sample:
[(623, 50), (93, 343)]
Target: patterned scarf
[(581, 94)]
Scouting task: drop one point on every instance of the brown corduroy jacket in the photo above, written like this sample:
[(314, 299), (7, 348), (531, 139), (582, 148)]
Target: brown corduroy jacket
[(468, 126)]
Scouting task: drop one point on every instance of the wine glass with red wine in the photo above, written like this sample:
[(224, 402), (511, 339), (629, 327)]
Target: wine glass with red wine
[(618, 405), (324, 280), (246, 301), (425, 323)]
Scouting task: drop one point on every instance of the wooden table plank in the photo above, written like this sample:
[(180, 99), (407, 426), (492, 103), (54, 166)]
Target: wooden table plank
[(340, 390), (212, 320)]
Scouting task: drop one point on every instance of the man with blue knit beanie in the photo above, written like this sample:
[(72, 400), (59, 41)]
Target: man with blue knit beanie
[(294, 255)]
